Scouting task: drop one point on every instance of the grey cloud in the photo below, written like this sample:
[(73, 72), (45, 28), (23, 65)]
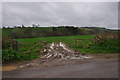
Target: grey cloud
[(103, 14), (0, 14)]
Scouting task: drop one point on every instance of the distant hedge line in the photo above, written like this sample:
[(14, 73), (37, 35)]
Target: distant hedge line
[(31, 32)]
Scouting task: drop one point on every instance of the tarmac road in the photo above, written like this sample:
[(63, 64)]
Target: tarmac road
[(96, 69)]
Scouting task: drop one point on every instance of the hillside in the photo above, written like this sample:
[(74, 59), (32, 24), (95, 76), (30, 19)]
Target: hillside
[(30, 32)]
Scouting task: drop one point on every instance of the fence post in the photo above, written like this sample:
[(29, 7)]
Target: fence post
[(15, 45)]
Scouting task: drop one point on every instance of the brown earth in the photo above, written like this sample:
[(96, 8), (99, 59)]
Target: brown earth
[(41, 64), (99, 66)]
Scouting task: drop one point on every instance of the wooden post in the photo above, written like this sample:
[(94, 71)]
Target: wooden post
[(15, 45)]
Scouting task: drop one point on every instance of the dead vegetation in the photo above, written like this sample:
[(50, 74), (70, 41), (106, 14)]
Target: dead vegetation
[(106, 35)]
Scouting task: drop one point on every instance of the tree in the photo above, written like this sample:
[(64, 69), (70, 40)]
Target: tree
[(4, 27), (23, 26)]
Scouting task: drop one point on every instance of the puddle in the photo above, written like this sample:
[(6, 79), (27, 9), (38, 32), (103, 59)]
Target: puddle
[(8, 68)]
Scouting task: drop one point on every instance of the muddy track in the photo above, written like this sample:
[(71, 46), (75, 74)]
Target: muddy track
[(97, 69), (101, 66)]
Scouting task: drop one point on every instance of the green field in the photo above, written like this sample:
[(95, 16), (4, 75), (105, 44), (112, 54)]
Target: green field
[(80, 39), (84, 44), (69, 40), (81, 45), (66, 39), (35, 32)]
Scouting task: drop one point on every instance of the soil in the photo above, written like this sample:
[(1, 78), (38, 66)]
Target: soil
[(48, 63)]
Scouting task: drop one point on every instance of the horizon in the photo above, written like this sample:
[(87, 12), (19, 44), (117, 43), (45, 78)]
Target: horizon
[(20, 26)]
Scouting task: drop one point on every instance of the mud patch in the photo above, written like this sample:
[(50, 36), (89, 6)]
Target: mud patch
[(8, 68)]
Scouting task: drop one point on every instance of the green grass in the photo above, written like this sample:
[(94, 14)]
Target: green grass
[(34, 52), (7, 32), (69, 40), (84, 45), (56, 39)]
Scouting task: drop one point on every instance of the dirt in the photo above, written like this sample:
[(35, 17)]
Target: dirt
[(41, 64), (95, 68), (9, 68)]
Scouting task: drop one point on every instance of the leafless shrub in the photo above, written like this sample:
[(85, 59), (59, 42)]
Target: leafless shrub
[(106, 35)]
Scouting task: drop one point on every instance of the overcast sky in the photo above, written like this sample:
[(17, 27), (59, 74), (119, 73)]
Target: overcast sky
[(104, 14)]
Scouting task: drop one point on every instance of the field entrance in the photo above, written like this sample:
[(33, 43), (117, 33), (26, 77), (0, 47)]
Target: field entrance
[(30, 50)]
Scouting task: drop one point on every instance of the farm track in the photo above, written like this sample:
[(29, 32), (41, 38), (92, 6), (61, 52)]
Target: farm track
[(101, 66)]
